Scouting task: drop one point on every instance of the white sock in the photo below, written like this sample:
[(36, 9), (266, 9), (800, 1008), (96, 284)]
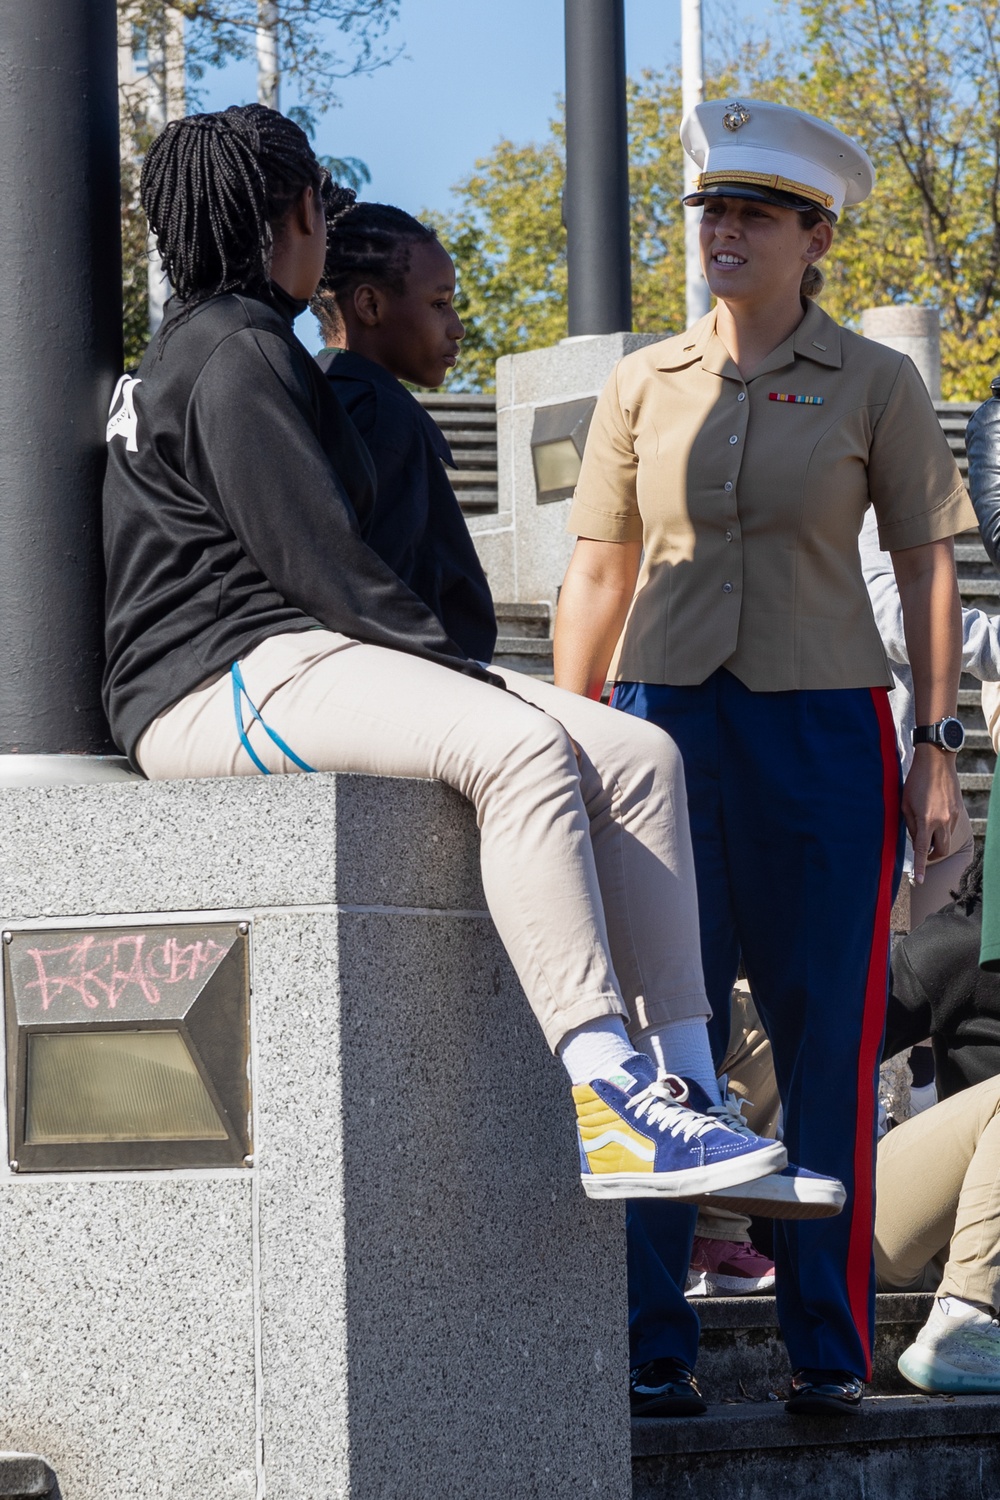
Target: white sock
[(682, 1047), (596, 1049)]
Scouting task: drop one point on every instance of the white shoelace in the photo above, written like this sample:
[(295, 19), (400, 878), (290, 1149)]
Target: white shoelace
[(730, 1114), (657, 1105)]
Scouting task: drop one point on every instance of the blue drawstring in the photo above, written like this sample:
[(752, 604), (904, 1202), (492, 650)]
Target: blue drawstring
[(239, 693)]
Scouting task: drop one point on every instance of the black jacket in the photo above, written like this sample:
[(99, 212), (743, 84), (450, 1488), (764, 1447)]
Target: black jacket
[(416, 524), (235, 495), (982, 441), (938, 990)]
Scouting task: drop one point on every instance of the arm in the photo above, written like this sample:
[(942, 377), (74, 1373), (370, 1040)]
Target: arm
[(982, 441), (880, 581), (254, 445), (593, 605), (928, 591), (981, 644)]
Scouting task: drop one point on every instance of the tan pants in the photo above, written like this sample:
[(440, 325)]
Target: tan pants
[(938, 1186), (943, 876), (586, 850), (750, 1072)]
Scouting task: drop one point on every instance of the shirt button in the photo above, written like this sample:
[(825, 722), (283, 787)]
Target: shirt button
[(742, 396), (729, 536), (734, 438), (727, 588), (729, 485)]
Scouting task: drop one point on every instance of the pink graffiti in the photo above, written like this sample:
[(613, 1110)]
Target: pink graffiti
[(99, 971)]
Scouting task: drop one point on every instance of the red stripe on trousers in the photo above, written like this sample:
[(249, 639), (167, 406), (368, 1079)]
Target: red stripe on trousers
[(859, 1252)]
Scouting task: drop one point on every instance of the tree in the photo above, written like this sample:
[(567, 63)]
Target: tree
[(218, 32), (917, 81), (176, 41)]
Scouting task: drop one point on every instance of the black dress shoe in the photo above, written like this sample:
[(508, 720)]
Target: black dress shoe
[(664, 1388), (824, 1393)]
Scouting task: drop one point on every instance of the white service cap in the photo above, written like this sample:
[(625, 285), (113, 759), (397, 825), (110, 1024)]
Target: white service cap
[(754, 149)]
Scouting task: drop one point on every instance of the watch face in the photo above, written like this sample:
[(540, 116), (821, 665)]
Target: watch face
[(952, 734)]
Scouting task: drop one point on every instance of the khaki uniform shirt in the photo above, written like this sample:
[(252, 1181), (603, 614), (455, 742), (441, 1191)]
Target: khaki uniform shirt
[(749, 507)]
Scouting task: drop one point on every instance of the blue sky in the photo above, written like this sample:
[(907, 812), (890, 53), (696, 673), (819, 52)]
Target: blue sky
[(473, 72)]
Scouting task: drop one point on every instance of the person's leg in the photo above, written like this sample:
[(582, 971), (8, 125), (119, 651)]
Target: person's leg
[(345, 706), (972, 1270), (749, 1066), (662, 1324), (810, 788), (661, 1320), (938, 1181), (689, 716), (632, 785), (331, 704), (953, 1152)]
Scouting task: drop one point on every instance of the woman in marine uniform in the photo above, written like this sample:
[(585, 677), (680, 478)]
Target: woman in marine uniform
[(724, 484)]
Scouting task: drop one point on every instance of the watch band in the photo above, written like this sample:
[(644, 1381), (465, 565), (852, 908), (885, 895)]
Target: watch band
[(947, 734)]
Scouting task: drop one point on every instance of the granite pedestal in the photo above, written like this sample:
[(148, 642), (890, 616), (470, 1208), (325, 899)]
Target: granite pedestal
[(406, 1293), (524, 546)]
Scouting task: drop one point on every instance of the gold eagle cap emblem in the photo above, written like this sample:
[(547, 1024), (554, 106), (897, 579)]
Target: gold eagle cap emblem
[(736, 116)]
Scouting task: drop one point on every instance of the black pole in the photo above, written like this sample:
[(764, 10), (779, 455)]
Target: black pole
[(596, 206), (60, 352)]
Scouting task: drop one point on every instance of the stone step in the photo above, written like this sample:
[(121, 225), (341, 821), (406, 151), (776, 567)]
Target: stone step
[(895, 1448), (742, 1357), (978, 740), (25, 1476), (975, 781), (986, 589), (522, 619)]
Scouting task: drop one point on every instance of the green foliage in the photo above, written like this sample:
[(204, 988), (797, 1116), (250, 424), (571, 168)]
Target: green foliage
[(917, 81), (180, 40)]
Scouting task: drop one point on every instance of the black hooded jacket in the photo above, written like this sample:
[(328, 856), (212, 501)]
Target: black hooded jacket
[(982, 443), (417, 524), (235, 497), (938, 990)]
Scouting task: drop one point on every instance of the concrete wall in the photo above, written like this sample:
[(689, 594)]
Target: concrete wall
[(525, 548), (407, 1294)]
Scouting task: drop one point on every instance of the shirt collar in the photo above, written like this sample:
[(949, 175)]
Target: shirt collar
[(347, 364), (817, 338)]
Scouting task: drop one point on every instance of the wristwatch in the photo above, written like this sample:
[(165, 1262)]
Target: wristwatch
[(947, 734)]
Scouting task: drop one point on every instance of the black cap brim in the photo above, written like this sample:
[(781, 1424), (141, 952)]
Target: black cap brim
[(755, 195)]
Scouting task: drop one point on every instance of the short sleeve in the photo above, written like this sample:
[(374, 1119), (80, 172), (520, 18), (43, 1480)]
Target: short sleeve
[(604, 506), (915, 487)]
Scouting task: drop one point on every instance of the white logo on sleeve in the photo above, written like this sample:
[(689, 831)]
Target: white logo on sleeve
[(122, 423)]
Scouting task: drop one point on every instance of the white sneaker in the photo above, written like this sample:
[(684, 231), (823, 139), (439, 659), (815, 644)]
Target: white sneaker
[(957, 1350)]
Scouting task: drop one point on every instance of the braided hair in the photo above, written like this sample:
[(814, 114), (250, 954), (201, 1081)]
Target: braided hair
[(365, 242), (215, 187)]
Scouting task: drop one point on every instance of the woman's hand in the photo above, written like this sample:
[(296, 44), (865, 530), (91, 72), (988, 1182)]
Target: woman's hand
[(931, 803)]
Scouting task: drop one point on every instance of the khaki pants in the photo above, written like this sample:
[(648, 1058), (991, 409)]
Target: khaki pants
[(938, 1186), (750, 1072), (943, 875), (586, 850)]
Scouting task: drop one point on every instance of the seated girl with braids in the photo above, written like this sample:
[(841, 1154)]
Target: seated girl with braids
[(386, 311), (252, 630)]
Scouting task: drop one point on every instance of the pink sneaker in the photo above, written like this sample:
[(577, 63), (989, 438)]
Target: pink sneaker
[(724, 1268)]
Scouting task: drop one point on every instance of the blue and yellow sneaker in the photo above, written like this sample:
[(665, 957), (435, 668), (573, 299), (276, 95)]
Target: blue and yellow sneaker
[(648, 1137), (791, 1193)]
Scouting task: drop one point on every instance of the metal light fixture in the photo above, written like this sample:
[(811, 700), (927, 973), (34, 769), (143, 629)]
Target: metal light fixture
[(557, 441), (127, 1047)]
